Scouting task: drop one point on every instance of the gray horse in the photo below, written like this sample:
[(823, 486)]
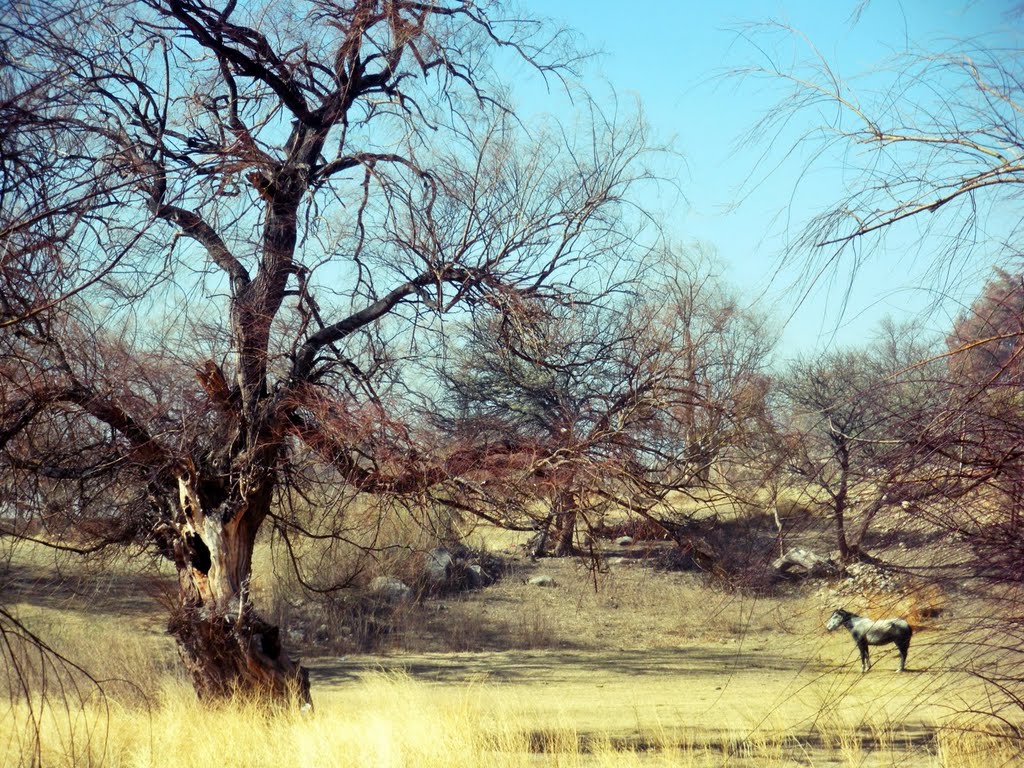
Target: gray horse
[(867, 632)]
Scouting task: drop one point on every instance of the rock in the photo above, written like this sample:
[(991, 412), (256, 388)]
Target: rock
[(542, 581), (476, 577), (295, 636), (391, 589), (803, 560), (624, 541), (437, 567)]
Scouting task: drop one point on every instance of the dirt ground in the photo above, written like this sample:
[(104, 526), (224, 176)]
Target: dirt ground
[(705, 689), (649, 649)]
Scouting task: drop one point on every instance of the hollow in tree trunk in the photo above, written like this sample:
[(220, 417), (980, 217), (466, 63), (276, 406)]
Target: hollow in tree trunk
[(226, 647)]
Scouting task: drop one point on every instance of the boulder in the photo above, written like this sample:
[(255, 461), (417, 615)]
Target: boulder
[(542, 581), (624, 541), (800, 560), (476, 577), (437, 568), (391, 589)]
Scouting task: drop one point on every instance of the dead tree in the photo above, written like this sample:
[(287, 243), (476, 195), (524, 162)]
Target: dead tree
[(935, 150), (614, 404)]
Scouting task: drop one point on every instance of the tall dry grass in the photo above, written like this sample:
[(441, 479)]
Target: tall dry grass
[(393, 722), (105, 652)]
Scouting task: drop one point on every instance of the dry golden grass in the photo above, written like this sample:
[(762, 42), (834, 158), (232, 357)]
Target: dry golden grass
[(403, 723), (124, 658), (972, 749)]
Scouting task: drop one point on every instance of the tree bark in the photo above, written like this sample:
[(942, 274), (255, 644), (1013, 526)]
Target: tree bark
[(839, 503), (565, 518), (226, 647)]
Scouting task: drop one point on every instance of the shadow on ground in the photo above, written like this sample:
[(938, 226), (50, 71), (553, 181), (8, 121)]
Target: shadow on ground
[(114, 593), (559, 666)]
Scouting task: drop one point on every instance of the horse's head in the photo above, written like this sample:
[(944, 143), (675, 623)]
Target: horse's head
[(838, 618)]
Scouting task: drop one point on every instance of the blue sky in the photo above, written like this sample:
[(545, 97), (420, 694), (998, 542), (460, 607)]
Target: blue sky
[(672, 55)]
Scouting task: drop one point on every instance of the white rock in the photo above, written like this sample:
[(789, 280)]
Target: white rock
[(437, 566), (542, 581), (391, 589)]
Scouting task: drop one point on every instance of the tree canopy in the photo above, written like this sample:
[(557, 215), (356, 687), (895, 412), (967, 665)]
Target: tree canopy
[(235, 232)]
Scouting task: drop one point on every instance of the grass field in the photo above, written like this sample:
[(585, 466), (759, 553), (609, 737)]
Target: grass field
[(636, 666), (393, 720)]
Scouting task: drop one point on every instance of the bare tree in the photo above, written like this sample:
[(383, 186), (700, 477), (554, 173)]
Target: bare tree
[(935, 139), (264, 211), (853, 420), (936, 145), (983, 439), (987, 339), (611, 405)]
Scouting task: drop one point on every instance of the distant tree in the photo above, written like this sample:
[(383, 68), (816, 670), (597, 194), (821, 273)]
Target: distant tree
[(235, 232), (851, 422), (614, 404), (984, 424), (987, 341), (938, 148)]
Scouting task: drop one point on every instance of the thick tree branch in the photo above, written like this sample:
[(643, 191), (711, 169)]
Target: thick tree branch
[(194, 226), (209, 29), (306, 356)]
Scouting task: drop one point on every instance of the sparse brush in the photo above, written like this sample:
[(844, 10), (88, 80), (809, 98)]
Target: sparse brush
[(315, 588)]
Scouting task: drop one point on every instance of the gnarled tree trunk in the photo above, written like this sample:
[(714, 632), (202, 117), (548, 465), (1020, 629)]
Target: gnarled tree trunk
[(565, 513), (226, 647)]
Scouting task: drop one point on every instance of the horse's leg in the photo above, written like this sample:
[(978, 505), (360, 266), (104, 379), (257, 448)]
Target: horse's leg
[(865, 660), (903, 646)]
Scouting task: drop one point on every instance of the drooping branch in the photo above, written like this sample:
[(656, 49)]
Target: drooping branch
[(939, 129)]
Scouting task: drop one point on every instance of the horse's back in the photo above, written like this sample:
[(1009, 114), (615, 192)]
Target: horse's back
[(903, 625), (888, 630)]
